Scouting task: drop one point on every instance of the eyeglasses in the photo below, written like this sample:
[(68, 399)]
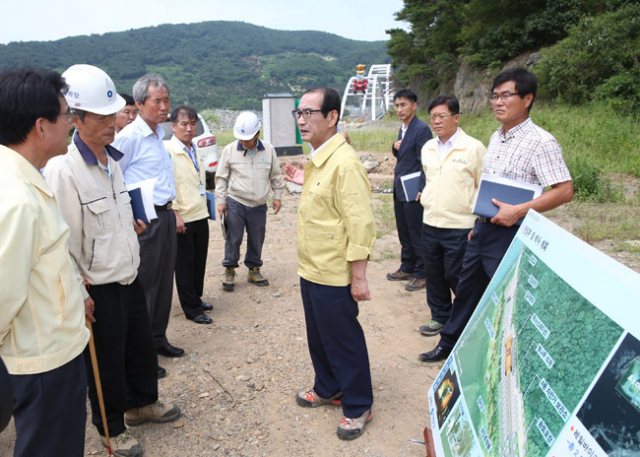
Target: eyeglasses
[(441, 116), (306, 113), (67, 114), (100, 119), (504, 96)]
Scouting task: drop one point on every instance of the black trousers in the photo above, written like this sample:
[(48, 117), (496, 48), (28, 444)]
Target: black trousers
[(443, 253), (126, 355), (484, 253), (239, 218), (409, 225), (157, 263), (51, 411), (191, 262), (337, 346)]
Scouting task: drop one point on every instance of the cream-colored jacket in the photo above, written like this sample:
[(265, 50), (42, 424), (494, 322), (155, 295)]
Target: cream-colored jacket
[(451, 186), (42, 323), (103, 242), (188, 202), (247, 179)]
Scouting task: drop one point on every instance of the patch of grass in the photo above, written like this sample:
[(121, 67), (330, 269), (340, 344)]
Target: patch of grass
[(625, 246), (596, 140), (383, 214), (597, 222), (385, 255), (223, 138), (378, 139)]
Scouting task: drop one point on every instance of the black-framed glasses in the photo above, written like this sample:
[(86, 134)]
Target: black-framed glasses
[(504, 96), (305, 113)]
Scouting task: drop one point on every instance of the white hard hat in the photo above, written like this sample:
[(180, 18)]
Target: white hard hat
[(247, 125), (92, 90)]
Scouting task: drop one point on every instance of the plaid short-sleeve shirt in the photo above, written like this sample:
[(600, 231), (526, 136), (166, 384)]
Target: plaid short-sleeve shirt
[(528, 154)]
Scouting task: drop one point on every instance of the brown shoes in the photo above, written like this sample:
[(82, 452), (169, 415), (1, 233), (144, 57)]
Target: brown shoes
[(228, 283), (123, 445), (399, 276), (416, 284), (352, 428), (155, 412), (255, 277), (310, 399)]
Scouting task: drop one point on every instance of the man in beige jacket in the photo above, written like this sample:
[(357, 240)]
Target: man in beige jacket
[(93, 199), (42, 317), (452, 164), (190, 206), (247, 171)]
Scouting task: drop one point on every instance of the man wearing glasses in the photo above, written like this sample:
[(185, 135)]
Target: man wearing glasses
[(452, 163), (336, 233), (519, 150), (94, 201), (42, 315)]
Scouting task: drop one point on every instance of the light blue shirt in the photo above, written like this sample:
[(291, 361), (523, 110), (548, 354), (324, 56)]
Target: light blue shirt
[(145, 157)]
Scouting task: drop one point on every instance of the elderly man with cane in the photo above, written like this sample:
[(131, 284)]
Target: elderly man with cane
[(93, 199)]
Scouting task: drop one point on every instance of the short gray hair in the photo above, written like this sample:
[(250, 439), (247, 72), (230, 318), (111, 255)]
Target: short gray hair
[(141, 87)]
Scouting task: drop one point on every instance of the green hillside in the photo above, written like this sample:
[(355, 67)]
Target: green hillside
[(209, 64)]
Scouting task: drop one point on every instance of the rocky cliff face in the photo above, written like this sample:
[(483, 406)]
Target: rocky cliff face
[(472, 85)]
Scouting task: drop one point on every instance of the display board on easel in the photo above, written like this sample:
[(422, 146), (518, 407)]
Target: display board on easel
[(549, 364)]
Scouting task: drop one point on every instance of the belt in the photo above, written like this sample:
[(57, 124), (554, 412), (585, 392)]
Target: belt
[(167, 206), (486, 220)]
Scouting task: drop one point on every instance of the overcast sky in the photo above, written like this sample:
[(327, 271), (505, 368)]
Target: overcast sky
[(39, 20)]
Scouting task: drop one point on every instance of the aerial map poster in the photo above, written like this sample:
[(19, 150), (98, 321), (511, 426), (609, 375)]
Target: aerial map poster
[(549, 364)]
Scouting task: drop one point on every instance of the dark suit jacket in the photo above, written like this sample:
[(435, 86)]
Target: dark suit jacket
[(418, 133)]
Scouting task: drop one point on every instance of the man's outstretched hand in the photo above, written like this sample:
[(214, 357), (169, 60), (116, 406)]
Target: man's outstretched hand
[(293, 174)]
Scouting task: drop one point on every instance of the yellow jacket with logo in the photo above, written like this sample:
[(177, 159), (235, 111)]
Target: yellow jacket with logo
[(335, 221), (188, 202), (42, 323), (451, 186)]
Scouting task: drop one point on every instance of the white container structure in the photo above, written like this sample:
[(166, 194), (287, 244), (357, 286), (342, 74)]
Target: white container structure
[(278, 126)]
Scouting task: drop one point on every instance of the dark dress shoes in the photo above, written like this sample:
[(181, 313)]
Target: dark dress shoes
[(207, 306), (436, 355), (170, 351), (161, 372), (202, 319)]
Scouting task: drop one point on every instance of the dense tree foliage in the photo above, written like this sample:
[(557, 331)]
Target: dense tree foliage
[(599, 42), (209, 64), (600, 59)]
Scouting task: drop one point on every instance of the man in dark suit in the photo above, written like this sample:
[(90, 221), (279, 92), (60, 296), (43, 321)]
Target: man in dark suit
[(412, 136)]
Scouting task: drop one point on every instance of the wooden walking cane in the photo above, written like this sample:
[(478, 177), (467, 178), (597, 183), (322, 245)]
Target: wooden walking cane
[(96, 376)]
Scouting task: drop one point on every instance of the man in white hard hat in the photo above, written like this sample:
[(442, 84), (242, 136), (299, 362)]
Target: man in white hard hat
[(93, 199), (42, 316), (145, 157), (248, 169)]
